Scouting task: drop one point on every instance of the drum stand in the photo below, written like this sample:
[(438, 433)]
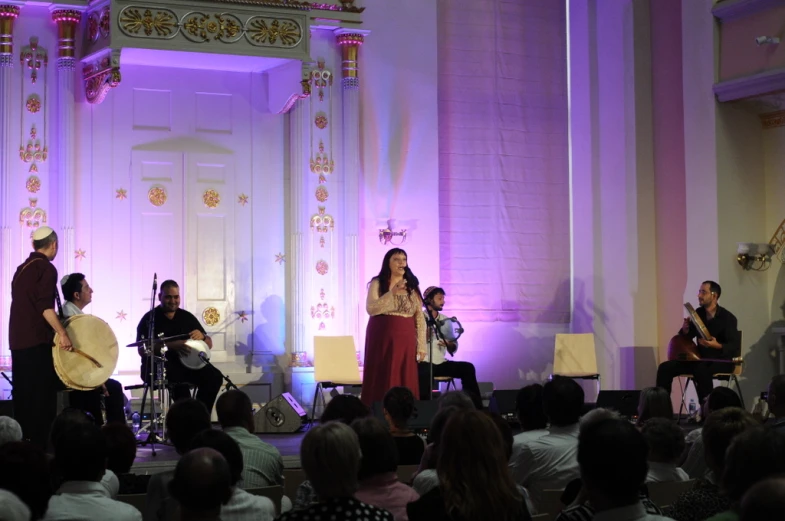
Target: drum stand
[(157, 383)]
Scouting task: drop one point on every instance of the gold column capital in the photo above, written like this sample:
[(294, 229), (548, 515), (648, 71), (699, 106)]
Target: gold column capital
[(8, 13), (350, 43), (67, 21)]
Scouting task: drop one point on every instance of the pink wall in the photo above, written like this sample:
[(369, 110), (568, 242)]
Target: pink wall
[(740, 55)]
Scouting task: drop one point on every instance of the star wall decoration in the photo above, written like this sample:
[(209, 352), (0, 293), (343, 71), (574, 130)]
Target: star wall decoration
[(243, 316), (280, 258), (242, 199), (121, 193), (80, 254), (121, 315)]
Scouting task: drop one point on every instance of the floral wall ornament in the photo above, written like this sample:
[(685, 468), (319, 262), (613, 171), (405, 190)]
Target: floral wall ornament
[(322, 222), (321, 194), (34, 151), (32, 217), (321, 120), (33, 201), (92, 27), (105, 22), (211, 198), (322, 267), (201, 27), (156, 195), (322, 164), (163, 23), (121, 193), (243, 316), (211, 316), (322, 310), (322, 78), (121, 315), (242, 199), (269, 31), (280, 258), (33, 168), (33, 103), (33, 184), (80, 254), (33, 58), (321, 242)]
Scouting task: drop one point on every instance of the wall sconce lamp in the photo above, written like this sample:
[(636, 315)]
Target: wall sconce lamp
[(767, 40), (753, 256), (387, 235)]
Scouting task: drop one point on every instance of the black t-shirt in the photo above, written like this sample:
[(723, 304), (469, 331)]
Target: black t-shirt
[(724, 328), (410, 449), (181, 323)]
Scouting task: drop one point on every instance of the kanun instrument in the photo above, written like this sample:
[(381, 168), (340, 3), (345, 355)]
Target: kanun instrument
[(683, 348), (94, 357)]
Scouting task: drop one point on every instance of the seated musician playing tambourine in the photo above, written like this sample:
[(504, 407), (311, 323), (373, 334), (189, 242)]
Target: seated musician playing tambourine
[(715, 354)]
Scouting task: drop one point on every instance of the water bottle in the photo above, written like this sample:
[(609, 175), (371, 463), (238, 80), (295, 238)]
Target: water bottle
[(136, 420), (693, 408)]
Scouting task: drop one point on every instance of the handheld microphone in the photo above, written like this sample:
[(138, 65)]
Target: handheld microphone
[(155, 282)]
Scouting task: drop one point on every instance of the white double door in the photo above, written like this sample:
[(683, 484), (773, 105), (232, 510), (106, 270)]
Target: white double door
[(183, 228)]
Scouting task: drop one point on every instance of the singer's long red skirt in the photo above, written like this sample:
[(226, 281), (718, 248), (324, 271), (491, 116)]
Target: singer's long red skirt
[(390, 357)]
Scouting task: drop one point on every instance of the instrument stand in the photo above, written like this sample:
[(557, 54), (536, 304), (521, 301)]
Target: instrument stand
[(9, 381), (229, 382), (430, 323)]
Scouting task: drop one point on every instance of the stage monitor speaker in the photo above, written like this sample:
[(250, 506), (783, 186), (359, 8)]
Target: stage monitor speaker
[(282, 414), (623, 402), (424, 411), (503, 403)]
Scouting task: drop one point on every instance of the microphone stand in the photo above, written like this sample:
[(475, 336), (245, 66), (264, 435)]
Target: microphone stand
[(5, 376), (430, 323), (152, 435), (229, 382)]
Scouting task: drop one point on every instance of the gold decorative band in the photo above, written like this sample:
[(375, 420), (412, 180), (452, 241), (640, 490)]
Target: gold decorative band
[(67, 21), (350, 45), (773, 119), (8, 13)]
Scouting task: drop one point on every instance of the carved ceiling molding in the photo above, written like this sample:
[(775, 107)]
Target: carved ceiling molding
[(750, 86), (345, 6), (100, 75), (729, 10)]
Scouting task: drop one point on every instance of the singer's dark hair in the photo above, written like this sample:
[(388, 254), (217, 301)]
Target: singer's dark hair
[(72, 285), (412, 282), (169, 283)]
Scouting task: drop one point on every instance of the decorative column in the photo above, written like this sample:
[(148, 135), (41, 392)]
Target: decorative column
[(350, 42), (67, 21), (8, 13), (298, 168)]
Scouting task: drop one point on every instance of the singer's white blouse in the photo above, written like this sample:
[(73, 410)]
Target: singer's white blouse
[(398, 306)]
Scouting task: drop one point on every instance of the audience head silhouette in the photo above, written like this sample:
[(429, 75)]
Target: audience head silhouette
[(224, 445), (665, 440), (379, 452), (612, 459), (765, 500), (10, 430), (398, 406), (26, 472), (344, 408), (718, 433), (234, 409), (655, 402), (80, 453), (472, 467), (529, 406), (720, 398), (457, 399), (776, 397), (120, 446), (12, 508), (186, 419), (330, 456), (563, 401), (753, 456), (202, 483)]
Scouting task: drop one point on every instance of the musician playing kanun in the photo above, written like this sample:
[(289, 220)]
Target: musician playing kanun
[(724, 344)]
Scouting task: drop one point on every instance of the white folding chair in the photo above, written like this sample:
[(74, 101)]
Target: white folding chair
[(334, 365), (574, 356)]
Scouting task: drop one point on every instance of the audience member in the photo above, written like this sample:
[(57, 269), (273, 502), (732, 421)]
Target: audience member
[(550, 462), (706, 498), (534, 423), (398, 408), (241, 505), (426, 478), (695, 462), (776, 402), (655, 402), (121, 453), (186, 419), (666, 444), (80, 457), (10, 430), (474, 479), (766, 500), (25, 471), (753, 456), (201, 484), (456, 399), (378, 480), (263, 464), (12, 508), (612, 458), (344, 408), (330, 456)]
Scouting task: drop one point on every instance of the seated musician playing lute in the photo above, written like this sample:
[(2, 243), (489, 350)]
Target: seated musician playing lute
[(715, 354)]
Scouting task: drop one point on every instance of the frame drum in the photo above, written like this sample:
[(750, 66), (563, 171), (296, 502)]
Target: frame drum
[(94, 357), (192, 360)]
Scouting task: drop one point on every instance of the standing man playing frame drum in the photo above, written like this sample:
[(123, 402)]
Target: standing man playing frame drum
[(32, 325), (171, 321)]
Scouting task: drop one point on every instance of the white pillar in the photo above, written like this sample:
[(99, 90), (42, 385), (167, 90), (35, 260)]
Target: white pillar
[(296, 258), (8, 13), (67, 21), (350, 42)]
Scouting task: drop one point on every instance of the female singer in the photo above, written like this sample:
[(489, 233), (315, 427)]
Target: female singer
[(395, 337)]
